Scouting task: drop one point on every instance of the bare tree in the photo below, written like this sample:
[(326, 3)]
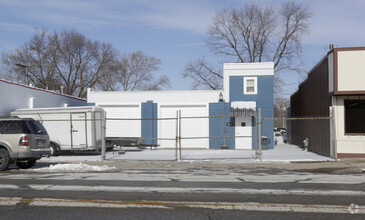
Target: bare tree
[(280, 111), (38, 55), (135, 71), (66, 59), (258, 33), (82, 62), (71, 60), (203, 75)]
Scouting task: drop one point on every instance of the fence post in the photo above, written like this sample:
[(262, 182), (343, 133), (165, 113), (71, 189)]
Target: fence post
[(180, 134), (259, 154), (103, 126), (177, 137), (255, 139)]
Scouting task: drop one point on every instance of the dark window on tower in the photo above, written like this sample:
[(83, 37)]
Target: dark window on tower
[(355, 116)]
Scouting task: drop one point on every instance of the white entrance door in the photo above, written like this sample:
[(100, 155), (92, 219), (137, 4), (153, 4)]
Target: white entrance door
[(78, 130), (243, 127)]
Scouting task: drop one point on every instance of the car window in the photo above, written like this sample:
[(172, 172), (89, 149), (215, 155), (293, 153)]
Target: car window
[(13, 127), (36, 127)]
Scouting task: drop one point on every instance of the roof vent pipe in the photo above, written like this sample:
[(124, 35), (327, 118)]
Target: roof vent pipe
[(62, 89), (331, 46), (31, 102)]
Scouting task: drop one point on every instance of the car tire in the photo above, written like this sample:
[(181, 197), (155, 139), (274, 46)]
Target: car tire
[(54, 149), (5, 160), (26, 164)]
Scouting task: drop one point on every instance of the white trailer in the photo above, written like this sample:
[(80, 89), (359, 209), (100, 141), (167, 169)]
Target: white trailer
[(69, 128)]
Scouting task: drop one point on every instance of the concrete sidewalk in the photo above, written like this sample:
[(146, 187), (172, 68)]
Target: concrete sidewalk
[(281, 153), (286, 157)]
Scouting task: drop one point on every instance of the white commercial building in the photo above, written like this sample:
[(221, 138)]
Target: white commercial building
[(15, 96), (208, 117)]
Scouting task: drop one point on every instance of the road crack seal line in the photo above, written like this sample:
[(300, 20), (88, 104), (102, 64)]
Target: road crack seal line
[(48, 187), (303, 180), (240, 179)]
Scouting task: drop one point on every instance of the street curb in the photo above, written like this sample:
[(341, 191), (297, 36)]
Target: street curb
[(335, 167)]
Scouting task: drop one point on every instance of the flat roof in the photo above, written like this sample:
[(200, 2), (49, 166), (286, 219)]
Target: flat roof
[(42, 90)]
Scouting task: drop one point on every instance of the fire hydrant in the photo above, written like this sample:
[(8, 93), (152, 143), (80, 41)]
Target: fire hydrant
[(306, 144)]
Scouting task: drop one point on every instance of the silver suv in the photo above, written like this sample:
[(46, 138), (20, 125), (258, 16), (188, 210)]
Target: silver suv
[(22, 141)]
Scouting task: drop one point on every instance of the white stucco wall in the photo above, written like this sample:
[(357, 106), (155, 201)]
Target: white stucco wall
[(351, 70)]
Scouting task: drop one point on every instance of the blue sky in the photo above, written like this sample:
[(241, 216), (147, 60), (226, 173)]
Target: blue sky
[(172, 30)]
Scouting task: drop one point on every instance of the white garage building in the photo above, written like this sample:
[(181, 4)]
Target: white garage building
[(128, 105), (247, 87)]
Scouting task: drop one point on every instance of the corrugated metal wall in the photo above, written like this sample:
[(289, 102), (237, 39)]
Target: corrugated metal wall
[(312, 100)]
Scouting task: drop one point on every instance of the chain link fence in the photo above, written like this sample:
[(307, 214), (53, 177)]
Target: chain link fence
[(315, 134), (189, 137)]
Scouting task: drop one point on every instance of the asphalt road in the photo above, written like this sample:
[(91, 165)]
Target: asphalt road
[(181, 194)]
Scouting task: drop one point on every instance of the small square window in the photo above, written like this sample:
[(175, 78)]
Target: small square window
[(354, 116), (250, 85)]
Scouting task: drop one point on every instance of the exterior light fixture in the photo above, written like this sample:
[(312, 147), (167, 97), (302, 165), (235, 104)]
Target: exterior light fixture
[(220, 96)]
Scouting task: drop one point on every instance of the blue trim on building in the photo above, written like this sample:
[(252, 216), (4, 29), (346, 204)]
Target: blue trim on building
[(264, 99), (91, 104), (218, 126), (149, 127)]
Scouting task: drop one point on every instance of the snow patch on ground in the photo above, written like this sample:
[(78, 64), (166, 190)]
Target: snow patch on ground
[(73, 167)]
